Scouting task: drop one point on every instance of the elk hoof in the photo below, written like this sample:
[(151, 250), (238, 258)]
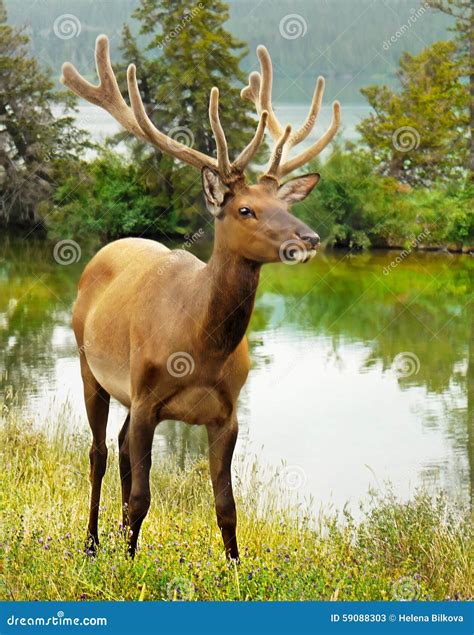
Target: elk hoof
[(92, 542)]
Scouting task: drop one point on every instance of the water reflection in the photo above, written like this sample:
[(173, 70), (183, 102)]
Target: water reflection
[(324, 393)]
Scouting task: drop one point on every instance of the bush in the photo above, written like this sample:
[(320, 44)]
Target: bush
[(353, 207), (110, 197)]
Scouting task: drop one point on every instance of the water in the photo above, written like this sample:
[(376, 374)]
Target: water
[(359, 377), (101, 125)]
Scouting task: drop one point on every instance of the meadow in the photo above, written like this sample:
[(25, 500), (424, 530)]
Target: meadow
[(422, 549)]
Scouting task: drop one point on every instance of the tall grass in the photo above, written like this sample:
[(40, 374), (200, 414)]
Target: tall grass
[(420, 549)]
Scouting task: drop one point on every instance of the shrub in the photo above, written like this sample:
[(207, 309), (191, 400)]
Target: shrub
[(111, 197), (353, 207)]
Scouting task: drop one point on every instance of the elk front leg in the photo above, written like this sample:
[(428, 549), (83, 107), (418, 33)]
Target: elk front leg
[(140, 440), (222, 439)]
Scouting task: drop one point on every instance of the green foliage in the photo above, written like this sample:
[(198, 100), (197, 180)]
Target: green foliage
[(354, 207), (462, 11), (110, 197), (419, 135), (32, 138), (415, 550)]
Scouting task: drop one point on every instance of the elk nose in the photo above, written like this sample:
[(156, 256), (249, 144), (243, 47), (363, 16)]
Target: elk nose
[(309, 237)]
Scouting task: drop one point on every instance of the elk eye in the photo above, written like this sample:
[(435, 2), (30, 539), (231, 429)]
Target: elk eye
[(246, 212)]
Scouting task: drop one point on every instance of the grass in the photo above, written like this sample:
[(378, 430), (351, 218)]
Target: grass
[(416, 550)]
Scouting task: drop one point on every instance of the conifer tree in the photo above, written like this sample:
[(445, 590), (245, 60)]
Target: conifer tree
[(32, 139), (419, 135)]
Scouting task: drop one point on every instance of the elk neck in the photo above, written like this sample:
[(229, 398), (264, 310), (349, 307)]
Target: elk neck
[(231, 285)]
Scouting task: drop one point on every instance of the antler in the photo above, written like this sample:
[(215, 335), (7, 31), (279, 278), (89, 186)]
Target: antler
[(136, 120), (259, 91)]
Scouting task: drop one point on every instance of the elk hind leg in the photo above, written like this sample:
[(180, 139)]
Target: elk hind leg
[(97, 406), (125, 470)]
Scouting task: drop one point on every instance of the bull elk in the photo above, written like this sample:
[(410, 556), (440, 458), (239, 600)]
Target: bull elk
[(142, 308)]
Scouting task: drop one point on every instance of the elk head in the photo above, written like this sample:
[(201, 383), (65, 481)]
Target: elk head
[(251, 220)]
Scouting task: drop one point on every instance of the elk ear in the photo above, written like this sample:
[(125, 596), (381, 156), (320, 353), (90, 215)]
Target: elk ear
[(297, 189), (214, 190)]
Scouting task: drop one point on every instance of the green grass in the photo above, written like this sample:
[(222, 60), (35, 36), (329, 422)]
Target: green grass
[(420, 549)]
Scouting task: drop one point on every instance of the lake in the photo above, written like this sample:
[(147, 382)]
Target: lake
[(363, 369), (100, 124)]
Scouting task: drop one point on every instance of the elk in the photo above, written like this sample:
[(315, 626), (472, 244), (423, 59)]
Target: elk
[(163, 332)]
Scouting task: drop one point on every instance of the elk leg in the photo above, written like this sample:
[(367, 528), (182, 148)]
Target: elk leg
[(97, 407), (222, 441), (125, 470), (140, 439)]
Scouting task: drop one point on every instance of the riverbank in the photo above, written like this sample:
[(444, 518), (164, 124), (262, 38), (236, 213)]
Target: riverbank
[(418, 550)]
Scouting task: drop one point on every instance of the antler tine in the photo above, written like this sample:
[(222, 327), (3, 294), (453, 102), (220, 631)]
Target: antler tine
[(275, 159), (107, 95), (156, 137), (313, 113), (265, 96), (219, 135), (316, 148), (259, 90), (252, 91), (249, 152)]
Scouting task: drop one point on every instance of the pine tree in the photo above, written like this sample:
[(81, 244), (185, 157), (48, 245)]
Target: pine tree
[(419, 134), (32, 139), (188, 51), (463, 13)]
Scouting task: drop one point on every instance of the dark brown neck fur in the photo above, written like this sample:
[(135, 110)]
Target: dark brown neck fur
[(232, 284)]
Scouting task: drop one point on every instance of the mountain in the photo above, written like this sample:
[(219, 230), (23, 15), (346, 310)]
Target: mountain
[(351, 42)]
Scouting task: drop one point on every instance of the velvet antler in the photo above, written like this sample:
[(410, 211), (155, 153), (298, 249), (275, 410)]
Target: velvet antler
[(136, 120), (259, 91)]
